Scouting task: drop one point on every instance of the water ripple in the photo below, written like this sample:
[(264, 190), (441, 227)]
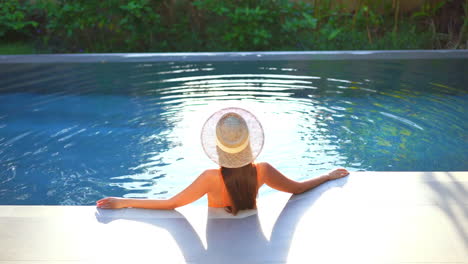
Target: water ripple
[(403, 120)]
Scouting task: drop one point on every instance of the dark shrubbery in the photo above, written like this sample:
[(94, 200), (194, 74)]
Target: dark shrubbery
[(100, 26), (15, 18), (226, 25)]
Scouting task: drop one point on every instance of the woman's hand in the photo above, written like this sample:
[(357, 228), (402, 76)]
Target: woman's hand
[(111, 203), (338, 173)]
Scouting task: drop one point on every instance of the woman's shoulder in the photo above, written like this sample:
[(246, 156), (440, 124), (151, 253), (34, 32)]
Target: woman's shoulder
[(210, 172), (262, 170), (209, 175), (262, 165), (211, 178)]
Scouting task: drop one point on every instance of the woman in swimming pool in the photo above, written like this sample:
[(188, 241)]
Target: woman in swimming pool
[(233, 138)]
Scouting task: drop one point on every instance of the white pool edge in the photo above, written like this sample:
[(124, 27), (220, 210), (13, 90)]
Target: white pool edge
[(369, 217), (236, 56)]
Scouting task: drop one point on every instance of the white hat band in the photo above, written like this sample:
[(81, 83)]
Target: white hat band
[(232, 150)]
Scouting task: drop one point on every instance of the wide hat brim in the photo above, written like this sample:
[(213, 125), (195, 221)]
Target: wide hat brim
[(230, 160)]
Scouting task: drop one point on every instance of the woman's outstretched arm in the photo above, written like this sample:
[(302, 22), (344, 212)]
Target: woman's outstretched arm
[(276, 180), (192, 193)]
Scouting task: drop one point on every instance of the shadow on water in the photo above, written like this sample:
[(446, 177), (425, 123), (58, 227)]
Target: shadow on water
[(236, 240), (451, 197)]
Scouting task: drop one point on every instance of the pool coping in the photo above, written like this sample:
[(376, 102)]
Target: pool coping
[(368, 217), (236, 56)]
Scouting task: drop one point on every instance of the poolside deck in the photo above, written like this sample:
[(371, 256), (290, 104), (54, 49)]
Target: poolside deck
[(368, 217)]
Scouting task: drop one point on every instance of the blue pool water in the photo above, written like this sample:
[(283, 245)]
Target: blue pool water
[(74, 133)]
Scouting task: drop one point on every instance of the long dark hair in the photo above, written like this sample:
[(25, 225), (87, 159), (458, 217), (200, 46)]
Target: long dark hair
[(241, 185)]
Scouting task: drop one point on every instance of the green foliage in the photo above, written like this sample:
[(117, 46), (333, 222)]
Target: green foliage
[(367, 17), (101, 26), (254, 25), (464, 29), (14, 17), (226, 25), (429, 9), (16, 48)]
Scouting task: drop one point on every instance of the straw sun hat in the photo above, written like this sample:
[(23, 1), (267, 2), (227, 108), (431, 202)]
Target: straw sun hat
[(232, 137)]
